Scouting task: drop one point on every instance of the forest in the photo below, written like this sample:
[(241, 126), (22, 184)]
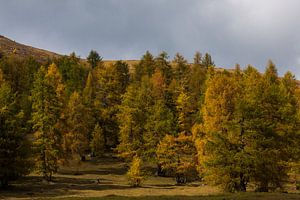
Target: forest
[(190, 121)]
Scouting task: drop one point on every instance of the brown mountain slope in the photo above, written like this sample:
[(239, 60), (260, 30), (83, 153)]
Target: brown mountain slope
[(8, 46)]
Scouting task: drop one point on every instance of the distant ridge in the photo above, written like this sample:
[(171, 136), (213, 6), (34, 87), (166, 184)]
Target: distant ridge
[(8, 47)]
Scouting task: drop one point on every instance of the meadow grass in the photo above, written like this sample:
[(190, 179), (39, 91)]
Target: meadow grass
[(79, 181)]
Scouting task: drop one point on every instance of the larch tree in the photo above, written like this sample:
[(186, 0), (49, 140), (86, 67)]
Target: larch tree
[(135, 174), (184, 112), (111, 83), (88, 97), (290, 90), (19, 74), (77, 128), (197, 87), (98, 141), (47, 95), (273, 121), (14, 145), (87, 93), (222, 148), (164, 69), (132, 116), (160, 122), (159, 85), (250, 125), (176, 156)]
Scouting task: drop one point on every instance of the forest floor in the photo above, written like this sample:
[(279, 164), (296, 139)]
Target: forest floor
[(80, 182)]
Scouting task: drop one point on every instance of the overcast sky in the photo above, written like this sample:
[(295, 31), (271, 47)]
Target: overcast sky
[(232, 31)]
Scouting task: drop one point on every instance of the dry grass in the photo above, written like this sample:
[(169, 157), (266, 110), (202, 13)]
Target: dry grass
[(80, 182), (237, 196), (8, 47)]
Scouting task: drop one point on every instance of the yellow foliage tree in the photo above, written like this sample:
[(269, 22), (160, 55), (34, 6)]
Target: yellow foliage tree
[(177, 156), (135, 174)]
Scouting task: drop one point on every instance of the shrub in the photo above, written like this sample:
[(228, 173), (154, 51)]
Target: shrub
[(134, 174)]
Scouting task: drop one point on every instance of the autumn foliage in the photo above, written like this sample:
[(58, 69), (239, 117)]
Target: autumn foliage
[(190, 121)]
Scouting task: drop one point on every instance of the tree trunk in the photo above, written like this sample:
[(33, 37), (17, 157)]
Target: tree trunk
[(180, 178), (4, 183), (263, 187), (243, 183), (160, 171)]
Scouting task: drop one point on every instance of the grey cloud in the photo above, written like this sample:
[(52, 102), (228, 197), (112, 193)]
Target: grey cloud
[(233, 31)]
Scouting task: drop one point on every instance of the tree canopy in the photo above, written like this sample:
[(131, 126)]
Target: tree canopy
[(230, 128)]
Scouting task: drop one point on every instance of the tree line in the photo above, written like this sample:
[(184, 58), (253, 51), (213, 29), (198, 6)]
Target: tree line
[(191, 120)]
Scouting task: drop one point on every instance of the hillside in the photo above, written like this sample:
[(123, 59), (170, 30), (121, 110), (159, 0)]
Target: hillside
[(8, 46)]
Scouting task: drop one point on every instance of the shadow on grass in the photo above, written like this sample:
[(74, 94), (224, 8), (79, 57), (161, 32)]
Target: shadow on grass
[(236, 196), (34, 186), (102, 171)]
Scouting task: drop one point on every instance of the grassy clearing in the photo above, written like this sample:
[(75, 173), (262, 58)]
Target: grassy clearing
[(80, 182), (238, 196)]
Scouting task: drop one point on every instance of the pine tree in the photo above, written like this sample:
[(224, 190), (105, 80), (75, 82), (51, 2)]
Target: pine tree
[(72, 72), (46, 105), (181, 70), (198, 58), (162, 64), (94, 59), (14, 146), (122, 76), (145, 67), (207, 61)]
